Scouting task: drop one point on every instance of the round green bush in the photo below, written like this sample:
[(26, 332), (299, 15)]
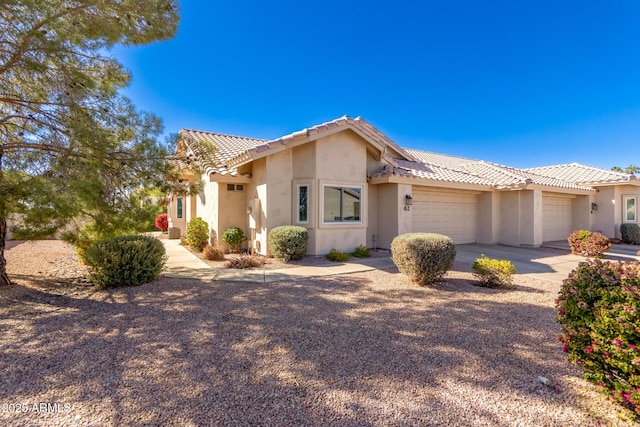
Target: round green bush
[(630, 233), (423, 257), (599, 310), (234, 237), (197, 234), (493, 273), (337, 256), (288, 242), (125, 261)]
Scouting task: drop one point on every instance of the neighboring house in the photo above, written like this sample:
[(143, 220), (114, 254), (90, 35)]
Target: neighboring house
[(351, 185)]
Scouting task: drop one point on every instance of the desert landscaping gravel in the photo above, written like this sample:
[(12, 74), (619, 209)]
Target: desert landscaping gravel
[(366, 349)]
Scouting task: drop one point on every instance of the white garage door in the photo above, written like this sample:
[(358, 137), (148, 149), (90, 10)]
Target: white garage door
[(556, 218), (451, 214)]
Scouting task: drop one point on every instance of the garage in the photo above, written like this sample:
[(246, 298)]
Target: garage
[(556, 218), (453, 214)]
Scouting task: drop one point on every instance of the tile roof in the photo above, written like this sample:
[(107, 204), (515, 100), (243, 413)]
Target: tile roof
[(232, 151), (226, 147), (583, 174)]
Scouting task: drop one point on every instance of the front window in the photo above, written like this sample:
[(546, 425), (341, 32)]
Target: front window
[(630, 209), (179, 208), (303, 204), (342, 204)]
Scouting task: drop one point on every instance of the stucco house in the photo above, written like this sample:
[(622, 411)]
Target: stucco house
[(350, 185)]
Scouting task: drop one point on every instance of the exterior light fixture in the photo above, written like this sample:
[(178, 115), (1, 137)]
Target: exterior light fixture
[(594, 206), (408, 200), (249, 210)]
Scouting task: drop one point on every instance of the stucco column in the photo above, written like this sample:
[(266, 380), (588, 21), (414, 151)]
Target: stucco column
[(531, 218)]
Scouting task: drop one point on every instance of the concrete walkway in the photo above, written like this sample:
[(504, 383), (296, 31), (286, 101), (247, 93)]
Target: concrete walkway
[(536, 262), (183, 264)]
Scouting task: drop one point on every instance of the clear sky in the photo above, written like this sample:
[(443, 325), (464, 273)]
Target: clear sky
[(520, 83)]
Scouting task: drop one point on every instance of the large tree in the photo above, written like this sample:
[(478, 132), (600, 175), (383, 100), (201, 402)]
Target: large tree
[(71, 145)]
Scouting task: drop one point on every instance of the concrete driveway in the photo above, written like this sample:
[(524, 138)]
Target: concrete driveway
[(553, 261)]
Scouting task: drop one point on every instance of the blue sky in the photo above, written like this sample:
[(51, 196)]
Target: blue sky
[(520, 83)]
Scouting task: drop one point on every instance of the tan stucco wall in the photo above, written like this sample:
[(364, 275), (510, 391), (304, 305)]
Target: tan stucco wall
[(581, 214), (621, 191), (279, 174), (231, 211), (531, 218), (388, 224), (257, 189), (510, 218), (609, 215), (340, 160), (489, 218)]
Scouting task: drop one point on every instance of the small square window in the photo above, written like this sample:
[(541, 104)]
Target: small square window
[(231, 187), (239, 187)]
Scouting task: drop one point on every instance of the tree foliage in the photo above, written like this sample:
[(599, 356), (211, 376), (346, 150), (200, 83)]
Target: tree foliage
[(628, 169), (71, 146)]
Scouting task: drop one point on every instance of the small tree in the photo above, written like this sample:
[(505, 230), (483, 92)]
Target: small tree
[(162, 222), (71, 146)]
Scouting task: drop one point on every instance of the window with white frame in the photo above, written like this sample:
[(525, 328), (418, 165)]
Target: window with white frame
[(303, 204), (630, 207), (342, 204)]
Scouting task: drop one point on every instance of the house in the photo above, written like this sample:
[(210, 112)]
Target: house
[(351, 185)]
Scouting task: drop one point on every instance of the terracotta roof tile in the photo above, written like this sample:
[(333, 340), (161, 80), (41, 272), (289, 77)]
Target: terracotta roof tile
[(226, 148)]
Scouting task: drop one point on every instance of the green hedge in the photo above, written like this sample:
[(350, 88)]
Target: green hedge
[(423, 257), (125, 261), (288, 242), (493, 273)]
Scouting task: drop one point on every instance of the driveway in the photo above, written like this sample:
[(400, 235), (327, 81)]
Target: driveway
[(553, 261)]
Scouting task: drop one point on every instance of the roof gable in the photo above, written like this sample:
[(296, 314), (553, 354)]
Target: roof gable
[(358, 125)]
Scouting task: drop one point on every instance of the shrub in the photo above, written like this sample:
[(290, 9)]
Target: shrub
[(361, 252), (197, 234), (288, 242), (586, 243), (337, 256), (423, 257), (125, 261), (234, 237), (598, 308), (630, 233), (162, 222), (493, 273), (245, 261), (213, 253)]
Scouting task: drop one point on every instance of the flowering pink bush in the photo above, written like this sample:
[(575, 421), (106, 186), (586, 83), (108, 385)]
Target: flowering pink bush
[(598, 308), (162, 222)]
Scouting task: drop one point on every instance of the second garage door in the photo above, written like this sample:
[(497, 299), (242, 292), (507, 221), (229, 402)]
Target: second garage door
[(451, 214), (556, 218)]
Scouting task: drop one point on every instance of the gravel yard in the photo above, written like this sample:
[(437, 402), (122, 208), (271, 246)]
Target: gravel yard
[(366, 349)]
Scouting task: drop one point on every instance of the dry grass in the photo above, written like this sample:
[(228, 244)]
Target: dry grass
[(364, 349)]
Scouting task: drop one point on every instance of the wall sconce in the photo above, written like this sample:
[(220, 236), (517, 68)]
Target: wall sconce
[(408, 200), (249, 210), (594, 206)]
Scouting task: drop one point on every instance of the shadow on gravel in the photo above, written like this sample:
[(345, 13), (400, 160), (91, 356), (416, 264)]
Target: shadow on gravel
[(340, 351)]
